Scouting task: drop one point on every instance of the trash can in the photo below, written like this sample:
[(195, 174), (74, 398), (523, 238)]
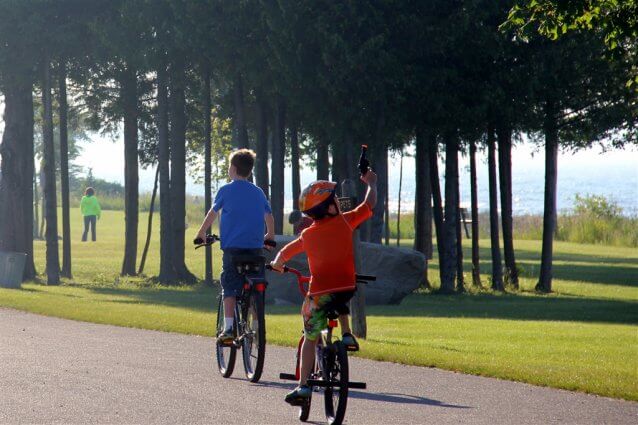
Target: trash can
[(11, 268)]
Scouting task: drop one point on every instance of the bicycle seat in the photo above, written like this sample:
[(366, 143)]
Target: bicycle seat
[(249, 263)]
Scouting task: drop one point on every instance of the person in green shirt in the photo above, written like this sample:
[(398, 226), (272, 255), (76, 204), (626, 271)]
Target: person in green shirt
[(90, 207)]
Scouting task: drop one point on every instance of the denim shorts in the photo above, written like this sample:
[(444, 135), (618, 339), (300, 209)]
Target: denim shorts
[(232, 281)]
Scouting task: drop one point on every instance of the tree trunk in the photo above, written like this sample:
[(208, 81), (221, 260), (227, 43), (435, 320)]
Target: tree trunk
[(64, 174), (36, 208), (278, 155), (128, 96), (386, 217), (323, 161), (460, 279), (167, 271), (149, 229), (178, 168), (504, 135), (17, 168), (423, 202), (261, 163), (208, 128), (51, 208), (497, 271), (379, 163), (296, 175), (476, 270), (437, 202), (449, 258), (399, 200), (241, 139), (340, 161), (549, 215)]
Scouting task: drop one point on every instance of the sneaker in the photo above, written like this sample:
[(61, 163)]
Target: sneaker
[(299, 395), (226, 337), (350, 342)]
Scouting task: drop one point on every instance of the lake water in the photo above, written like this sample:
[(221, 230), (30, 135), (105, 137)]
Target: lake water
[(613, 174)]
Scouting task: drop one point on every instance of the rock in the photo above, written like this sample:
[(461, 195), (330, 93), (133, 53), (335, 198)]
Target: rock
[(399, 272)]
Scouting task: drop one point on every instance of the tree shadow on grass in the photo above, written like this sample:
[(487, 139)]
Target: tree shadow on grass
[(200, 298), (514, 307), (484, 305)]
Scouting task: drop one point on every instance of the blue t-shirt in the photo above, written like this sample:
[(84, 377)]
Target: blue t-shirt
[(241, 223)]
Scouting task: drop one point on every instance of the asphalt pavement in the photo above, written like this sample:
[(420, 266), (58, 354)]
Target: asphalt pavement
[(61, 371)]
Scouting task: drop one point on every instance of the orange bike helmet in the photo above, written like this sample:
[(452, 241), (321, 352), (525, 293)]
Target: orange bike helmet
[(316, 194)]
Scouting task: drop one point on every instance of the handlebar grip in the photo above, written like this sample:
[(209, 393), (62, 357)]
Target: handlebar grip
[(270, 243), (198, 241), (365, 277)]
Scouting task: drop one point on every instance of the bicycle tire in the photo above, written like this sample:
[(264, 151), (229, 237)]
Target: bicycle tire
[(225, 354), (254, 345), (336, 369)]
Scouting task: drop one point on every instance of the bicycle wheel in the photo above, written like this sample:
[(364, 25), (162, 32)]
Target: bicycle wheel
[(254, 337), (336, 370), (225, 354)]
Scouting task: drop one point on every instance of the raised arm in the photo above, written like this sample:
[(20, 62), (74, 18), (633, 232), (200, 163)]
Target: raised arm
[(370, 178)]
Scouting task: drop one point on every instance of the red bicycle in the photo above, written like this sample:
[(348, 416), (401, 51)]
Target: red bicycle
[(331, 370)]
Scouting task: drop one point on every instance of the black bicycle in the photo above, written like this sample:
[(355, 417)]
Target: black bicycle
[(249, 327), (331, 369)]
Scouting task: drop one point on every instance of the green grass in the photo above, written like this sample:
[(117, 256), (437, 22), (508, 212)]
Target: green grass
[(583, 337)]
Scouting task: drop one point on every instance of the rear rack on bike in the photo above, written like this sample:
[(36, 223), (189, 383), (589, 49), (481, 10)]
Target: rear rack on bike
[(322, 383)]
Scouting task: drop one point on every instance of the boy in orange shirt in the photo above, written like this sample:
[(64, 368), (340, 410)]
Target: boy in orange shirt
[(328, 245)]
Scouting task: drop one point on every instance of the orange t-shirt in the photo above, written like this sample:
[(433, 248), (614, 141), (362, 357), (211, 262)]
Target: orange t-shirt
[(328, 245)]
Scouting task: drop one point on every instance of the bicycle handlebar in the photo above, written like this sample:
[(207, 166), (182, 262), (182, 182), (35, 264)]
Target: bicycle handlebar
[(211, 239), (301, 279)]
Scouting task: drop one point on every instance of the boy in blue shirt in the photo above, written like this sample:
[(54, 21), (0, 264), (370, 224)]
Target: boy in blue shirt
[(244, 208)]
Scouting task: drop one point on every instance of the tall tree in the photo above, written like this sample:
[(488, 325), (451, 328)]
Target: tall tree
[(18, 48), (504, 136), (497, 268), (476, 271), (295, 161), (177, 113), (450, 254), (64, 172), (423, 200), (51, 209), (278, 156), (261, 162), (167, 274), (208, 201), (129, 99)]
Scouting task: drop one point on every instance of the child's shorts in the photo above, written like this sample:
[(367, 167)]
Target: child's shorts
[(315, 311), (232, 281)]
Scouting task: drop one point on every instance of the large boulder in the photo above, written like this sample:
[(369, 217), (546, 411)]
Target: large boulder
[(399, 272)]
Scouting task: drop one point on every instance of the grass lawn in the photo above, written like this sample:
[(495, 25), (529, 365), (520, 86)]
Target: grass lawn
[(583, 337)]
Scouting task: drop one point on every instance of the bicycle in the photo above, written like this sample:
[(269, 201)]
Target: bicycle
[(249, 327), (331, 370)]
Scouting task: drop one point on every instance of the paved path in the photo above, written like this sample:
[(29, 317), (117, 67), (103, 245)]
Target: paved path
[(55, 370)]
